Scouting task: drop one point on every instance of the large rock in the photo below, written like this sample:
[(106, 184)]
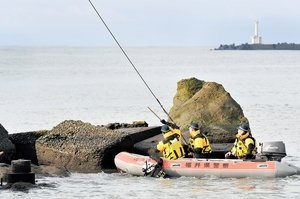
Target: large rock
[(209, 104), (82, 147), (6, 146), (79, 146)]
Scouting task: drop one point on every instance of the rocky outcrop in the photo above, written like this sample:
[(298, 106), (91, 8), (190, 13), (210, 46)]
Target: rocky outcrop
[(6, 146), (25, 144), (118, 125), (209, 104), (83, 147), (77, 146)]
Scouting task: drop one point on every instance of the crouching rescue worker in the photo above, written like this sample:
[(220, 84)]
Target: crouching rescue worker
[(174, 128), (244, 146), (199, 146), (170, 147)]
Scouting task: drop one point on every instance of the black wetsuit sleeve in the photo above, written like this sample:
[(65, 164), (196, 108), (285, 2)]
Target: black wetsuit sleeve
[(249, 154), (154, 154)]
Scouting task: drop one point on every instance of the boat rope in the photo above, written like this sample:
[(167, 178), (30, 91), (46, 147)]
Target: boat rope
[(130, 60)]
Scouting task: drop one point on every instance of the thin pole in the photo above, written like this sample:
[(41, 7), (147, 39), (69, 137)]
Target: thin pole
[(154, 113), (131, 63)]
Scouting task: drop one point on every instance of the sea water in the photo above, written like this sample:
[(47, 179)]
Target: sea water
[(43, 86)]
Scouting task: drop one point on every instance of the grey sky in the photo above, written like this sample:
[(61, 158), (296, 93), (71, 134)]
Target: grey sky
[(147, 22)]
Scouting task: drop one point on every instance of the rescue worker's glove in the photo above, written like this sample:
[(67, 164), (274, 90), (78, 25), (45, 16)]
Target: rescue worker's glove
[(170, 124), (163, 121)]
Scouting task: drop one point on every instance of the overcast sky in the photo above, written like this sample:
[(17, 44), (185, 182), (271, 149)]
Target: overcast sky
[(147, 22)]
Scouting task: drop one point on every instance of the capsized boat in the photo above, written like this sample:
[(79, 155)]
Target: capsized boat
[(269, 165)]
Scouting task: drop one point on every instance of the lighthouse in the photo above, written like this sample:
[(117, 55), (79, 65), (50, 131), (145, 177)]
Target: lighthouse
[(256, 39)]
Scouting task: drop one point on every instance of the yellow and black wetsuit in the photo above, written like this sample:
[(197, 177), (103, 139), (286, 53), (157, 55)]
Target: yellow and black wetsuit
[(199, 145), (171, 147), (244, 146)]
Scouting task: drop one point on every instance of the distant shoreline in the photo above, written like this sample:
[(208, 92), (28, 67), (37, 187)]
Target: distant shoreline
[(246, 46)]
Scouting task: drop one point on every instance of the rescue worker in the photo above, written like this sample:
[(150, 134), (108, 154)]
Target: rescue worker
[(244, 146), (173, 128), (170, 147), (199, 146)]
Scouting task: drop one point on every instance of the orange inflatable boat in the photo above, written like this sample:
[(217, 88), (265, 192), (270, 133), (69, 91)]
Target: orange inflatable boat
[(267, 164), (135, 164)]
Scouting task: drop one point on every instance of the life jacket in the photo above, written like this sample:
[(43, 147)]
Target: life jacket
[(171, 147), (199, 140), (240, 146)]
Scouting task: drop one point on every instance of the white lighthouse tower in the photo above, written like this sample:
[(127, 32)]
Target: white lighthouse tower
[(256, 39)]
